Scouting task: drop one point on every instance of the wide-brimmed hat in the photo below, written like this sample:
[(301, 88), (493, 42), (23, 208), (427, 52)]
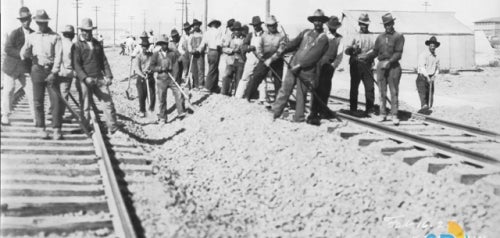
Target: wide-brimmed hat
[(186, 26), (214, 21), (68, 29), (318, 15), (237, 26), (271, 20), (364, 18), (256, 21), (196, 22), (230, 23), (24, 13), (174, 33), (87, 25), (386, 18), (432, 40), (334, 22), (163, 39), (144, 35), (41, 16)]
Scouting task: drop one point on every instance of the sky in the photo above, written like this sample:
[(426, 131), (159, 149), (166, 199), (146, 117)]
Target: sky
[(163, 14)]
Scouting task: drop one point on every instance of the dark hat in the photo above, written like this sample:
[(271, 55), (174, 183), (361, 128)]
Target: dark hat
[(432, 40), (245, 29), (256, 21), (41, 16), (364, 18), (318, 15), (236, 26), (334, 22), (386, 18), (144, 35), (174, 32), (214, 21), (230, 23), (196, 22), (24, 13), (163, 40), (68, 29), (186, 26), (87, 25)]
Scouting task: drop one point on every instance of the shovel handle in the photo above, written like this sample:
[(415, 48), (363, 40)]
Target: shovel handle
[(180, 89)]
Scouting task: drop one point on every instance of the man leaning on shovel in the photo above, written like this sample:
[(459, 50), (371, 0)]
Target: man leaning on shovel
[(428, 69), (145, 81)]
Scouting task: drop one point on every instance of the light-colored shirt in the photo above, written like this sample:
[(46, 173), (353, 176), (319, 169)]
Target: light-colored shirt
[(428, 63), (143, 62), (183, 44), (66, 67), (211, 39), (195, 41), (335, 52), (361, 45), (271, 44), (44, 49), (233, 50)]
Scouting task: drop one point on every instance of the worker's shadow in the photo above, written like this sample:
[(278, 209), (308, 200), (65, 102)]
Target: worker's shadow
[(195, 103), (125, 118), (150, 141)]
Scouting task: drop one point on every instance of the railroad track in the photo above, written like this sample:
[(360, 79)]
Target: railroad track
[(476, 152), (65, 187)]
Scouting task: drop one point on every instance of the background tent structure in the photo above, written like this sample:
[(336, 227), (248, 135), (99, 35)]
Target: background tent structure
[(457, 40)]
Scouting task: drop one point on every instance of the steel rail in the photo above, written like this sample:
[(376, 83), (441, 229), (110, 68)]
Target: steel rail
[(476, 156), (438, 121), (122, 224)]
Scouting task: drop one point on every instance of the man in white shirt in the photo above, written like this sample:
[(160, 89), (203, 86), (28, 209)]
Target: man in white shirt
[(428, 69), (183, 50), (212, 41)]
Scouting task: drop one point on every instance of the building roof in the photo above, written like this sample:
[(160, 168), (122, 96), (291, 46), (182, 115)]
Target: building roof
[(414, 22), (489, 20)]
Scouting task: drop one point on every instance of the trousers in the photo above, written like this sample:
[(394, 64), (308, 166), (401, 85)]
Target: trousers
[(389, 77), (361, 71), (212, 81), (162, 85), (38, 76), (285, 91), (101, 91), (9, 86), (142, 91), (232, 77), (198, 70), (323, 90), (260, 73), (424, 90)]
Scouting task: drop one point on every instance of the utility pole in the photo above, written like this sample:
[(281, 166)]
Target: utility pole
[(114, 23), (77, 5), (187, 13), (206, 14), (426, 4), (184, 11), (96, 8), (57, 13), (131, 19), (144, 23), (22, 3), (268, 8)]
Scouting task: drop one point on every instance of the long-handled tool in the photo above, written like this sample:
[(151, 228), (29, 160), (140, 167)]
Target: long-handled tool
[(369, 72), (431, 93), (186, 97), (272, 71), (148, 110), (128, 90), (190, 74)]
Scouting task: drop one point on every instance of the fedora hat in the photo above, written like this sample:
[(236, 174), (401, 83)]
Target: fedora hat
[(174, 33), (256, 21), (41, 16), (230, 23), (334, 23), (186, 26), (271, 20), (318, 15), (144, 35), (214, 21), (237, 26), (196, 22), (87, 25), (68, 29), (432, 40), (364, 18), (386, 18), (163, 39), (24, 13)]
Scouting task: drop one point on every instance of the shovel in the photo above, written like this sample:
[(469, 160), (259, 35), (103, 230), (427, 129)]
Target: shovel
[(186, 97), (149, 113), (431, 93), (129, 89)]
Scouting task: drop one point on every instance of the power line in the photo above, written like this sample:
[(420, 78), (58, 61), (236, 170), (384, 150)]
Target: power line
[(144, 23), (426, 4), (77, 4), (57, 14), (131, 20)]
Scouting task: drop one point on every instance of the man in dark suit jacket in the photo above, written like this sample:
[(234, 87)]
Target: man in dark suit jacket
[(15, 68)]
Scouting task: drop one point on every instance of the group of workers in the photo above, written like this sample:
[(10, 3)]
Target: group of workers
[(247, 59)]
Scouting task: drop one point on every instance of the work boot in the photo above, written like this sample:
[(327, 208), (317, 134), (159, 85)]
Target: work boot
[(5, 120), (57, 134), (381, 118), (313, 120), (42, 133), (395, 120)]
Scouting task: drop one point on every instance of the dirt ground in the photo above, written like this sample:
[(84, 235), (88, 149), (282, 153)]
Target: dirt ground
[(228, 170)]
